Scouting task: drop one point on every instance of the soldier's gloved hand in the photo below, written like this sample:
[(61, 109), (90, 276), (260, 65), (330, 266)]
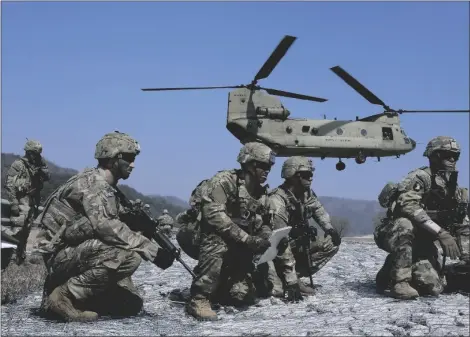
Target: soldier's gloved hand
[(15, 210), (257, 245), (164, 259), (292, 293), (449, 246), (282, 245), (335, 237)]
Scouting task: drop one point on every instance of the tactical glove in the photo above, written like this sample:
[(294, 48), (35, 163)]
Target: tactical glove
[(164, 259), (257, 245), (292, 293), (335, 237), (449, 246), (282, 246), (14, 210)]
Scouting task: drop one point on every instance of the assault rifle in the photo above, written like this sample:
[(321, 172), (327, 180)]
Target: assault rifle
[(137, 217)]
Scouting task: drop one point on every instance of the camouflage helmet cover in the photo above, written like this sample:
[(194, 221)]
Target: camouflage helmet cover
[(165, 211), (115, 143), (255, 151), (33, 145), (296, 164), (441, 143)]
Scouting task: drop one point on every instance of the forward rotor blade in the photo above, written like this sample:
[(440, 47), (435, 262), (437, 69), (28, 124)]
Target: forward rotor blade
[(361, 89), (425, 111), (275, 57), (293, 95), (192, 88)]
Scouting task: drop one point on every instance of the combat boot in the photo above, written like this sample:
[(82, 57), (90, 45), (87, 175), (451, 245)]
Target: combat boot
[(60, 303), (200, 308), (306, 289), (382, 279), (403, 291)]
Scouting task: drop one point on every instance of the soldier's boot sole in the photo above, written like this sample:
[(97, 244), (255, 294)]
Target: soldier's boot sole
[(201, 310), (403, 291), (60, 303)]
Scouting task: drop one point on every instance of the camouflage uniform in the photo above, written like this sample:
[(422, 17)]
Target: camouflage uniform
[(287, 210), (166, 222), (229, 220), (23, 186), (90, 253), (424, 207)]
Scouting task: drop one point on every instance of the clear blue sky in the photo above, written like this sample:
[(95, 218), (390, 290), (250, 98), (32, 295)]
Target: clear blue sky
[(73, 71)]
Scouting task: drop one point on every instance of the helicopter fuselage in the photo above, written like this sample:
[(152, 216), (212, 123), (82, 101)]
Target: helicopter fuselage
[(256, 116)]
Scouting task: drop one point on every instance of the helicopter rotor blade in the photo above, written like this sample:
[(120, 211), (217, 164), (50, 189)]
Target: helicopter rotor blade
[(293, 95), (356, 85), (193, 88), (425, 111), (275, 57)]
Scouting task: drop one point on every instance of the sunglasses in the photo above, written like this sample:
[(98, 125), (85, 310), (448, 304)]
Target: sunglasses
[(448, 155), (305, 174), (130, 158), (262, 166)]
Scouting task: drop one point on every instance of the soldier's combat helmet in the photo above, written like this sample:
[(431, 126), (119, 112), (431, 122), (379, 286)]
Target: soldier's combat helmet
[(296, 164), (115, 143), (33, 146), (441, 143), (255, 151), (165, 211)]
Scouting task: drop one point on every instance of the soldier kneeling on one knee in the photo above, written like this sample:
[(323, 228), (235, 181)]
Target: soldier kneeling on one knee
[(89, 251), (426, 206)]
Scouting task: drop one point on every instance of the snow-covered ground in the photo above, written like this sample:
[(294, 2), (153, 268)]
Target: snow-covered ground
[(345, 305)]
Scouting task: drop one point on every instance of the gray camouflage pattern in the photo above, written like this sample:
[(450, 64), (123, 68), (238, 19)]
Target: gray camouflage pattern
[(413, 250), (115, 143), (441, 143), (83, 240), (33, 146), (225, 269), (296, 164), (255, 151), (293, 262), (23, 185)]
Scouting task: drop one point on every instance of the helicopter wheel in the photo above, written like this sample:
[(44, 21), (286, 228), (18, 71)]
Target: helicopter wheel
[(361, 159), (340, 166)]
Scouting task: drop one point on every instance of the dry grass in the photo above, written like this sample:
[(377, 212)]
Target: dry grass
[(20, 281)]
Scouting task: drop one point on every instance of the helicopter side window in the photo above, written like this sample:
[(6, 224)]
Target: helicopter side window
[(387, 134)]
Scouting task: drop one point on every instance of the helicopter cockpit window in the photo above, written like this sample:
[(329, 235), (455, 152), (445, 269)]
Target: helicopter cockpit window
[(364, 132), (387, 134), (339, 131)]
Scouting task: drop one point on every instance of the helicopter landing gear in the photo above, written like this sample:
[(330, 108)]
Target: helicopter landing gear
[(340, 165), (361, 159)]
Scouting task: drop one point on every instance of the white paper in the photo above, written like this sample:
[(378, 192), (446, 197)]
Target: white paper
[(276, 236)]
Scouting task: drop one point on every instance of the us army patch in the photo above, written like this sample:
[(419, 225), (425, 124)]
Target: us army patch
[(417, 187)]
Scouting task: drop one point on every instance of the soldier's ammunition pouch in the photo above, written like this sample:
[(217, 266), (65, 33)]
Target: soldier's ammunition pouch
[(78, 231), (189, 234)]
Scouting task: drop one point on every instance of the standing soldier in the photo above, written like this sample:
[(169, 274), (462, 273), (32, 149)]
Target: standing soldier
[(89, 251), (425, 206), (24, 182), (229, 208), (292, 204), (166, 222)]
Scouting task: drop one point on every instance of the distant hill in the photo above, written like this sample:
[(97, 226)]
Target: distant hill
[(360, 214), (59, 175)]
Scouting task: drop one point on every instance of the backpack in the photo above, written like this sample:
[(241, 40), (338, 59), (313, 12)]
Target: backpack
[(389, 193)]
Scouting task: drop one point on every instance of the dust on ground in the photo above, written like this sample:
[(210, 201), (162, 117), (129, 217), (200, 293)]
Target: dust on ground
[(345, 305)]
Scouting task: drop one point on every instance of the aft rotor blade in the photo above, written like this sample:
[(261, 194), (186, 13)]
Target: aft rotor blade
[(275, 57), (293, 95), (425, 111), (356, 85), (192, 88)]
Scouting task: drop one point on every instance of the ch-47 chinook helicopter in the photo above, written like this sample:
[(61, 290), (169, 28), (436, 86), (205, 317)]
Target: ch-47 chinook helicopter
[(254, 115)]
